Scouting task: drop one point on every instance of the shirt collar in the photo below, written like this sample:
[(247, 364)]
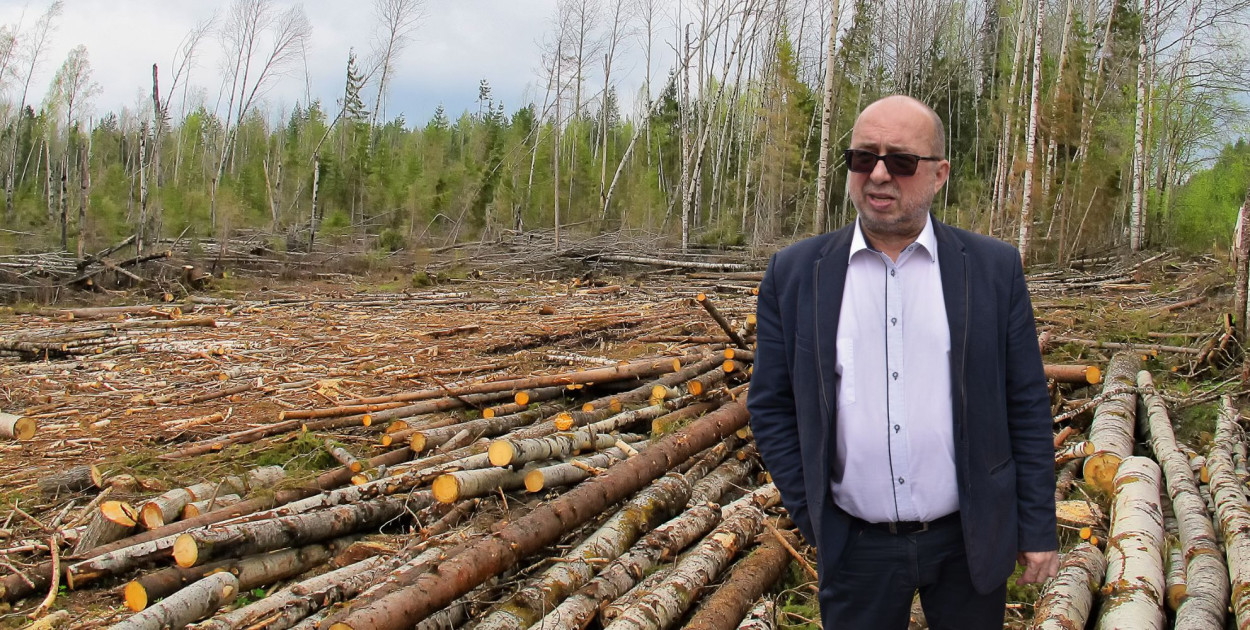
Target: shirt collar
[(926, 240)]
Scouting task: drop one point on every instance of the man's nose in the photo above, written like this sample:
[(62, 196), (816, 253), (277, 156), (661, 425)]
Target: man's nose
[(879, 174)]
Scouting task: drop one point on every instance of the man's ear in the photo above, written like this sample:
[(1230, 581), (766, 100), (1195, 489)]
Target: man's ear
[(943, 173)]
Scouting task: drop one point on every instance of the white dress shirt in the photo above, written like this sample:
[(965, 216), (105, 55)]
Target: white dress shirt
[(895, 458)]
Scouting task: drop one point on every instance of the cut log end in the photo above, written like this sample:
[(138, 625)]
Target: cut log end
[(1100, 469), (19, 428), (728, 366), (695, 387), (417, 442), (1176, 595), (501, 452), (534, 481), (659, 392), (135, 596), (1093, 375), (150, 515), (186, 551), (588, 407), (488, 413), (386, 440), (522, 398), (446, 488), (119, 512), (564, 422)]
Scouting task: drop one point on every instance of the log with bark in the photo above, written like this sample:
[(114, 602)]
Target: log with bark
[(73, 479), (252, 572), (751, 577), (1231, 510), (188, 605), (1066, 599), (1207, 575), (1076, 374), (112, 521), (167, 507), (465, 571), (18, 428), (1133, 587), (668, 602), (1112, 430)]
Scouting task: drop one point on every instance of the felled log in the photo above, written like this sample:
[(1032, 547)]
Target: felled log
[(1066, 599), (611, 611), (1078, 374), (1112, 430), (74, 479), (200, 546), (1129, 347), (423, 440), (732, 473), (1134, 584), (168, 506), (1065, 478), (188, 605), (762, 616), (1206, 574), (252, 571), (541, 527), (561, 445), (51, 622), (564, 474), (653, 505), (639, 369), (720, 320), (751, 577), (1231, 511), (196, 508), (112, 521), (289, 606), (128, 553), (1073, 450), (18, 428), (1175, 581), (666, 604)]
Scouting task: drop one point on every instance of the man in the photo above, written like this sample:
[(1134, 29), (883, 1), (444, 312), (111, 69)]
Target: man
[(898, 397)]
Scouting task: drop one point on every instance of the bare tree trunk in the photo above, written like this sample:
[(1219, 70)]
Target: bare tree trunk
[(85, 201), (555, 152), (1137, 216), (1003, 172), (143, 188), (826, 127), (312, 216), (1242, 286), (1030, 141)]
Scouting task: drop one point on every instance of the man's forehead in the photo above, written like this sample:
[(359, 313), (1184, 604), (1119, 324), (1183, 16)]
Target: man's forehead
[(892, 125)]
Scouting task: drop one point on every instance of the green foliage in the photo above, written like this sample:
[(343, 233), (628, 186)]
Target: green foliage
[(1206, 206)]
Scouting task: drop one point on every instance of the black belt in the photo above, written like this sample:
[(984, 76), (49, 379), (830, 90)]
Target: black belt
[(908, 527)]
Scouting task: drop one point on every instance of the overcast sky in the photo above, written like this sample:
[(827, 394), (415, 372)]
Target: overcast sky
[(456, 44)]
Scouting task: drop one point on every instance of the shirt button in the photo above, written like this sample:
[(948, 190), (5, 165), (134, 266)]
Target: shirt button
[(893, 271), (893, 321), (895, 375), (896, 428), (900, 481)]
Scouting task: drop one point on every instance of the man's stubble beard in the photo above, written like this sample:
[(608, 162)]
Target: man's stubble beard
[(908, 223)]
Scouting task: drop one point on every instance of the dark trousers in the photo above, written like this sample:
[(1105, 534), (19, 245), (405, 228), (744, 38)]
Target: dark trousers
[(874, 584)]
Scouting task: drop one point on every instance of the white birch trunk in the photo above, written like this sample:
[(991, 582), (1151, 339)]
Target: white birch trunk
[(1206, 573), (1066, 599), (1112, 430), (1030, 139), (1231, 510), (1134, 583)]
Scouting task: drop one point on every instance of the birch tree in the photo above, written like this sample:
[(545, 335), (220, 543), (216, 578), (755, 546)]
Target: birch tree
[(397, 19), (29, 49)]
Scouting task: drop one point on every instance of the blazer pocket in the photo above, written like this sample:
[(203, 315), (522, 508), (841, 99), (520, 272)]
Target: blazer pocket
[(1002, 466)]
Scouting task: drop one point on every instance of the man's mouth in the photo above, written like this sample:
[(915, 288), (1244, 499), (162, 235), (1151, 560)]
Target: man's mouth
[(879, 200)]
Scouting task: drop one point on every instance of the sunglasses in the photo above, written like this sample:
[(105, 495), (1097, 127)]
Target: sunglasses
[(900, 164)]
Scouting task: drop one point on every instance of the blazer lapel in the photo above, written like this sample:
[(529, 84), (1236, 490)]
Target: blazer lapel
[(953, 264), (829, 278)]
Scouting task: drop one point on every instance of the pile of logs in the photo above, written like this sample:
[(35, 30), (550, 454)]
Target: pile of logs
[(100, 338), (1178, 520), (655, 477)]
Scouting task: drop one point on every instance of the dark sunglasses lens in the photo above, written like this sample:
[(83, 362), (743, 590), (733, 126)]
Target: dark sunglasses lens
[(901, 163), (861, 161)]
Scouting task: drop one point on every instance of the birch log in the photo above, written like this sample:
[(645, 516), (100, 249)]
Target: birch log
[(663, 607), (752, 577), (18, 428), (762, 616), (1134, 584), (112, 521), (1066, 600), (1206, 574), (1112, 430), (191, 604), (76, 479), (239, 539), (1231, 511)]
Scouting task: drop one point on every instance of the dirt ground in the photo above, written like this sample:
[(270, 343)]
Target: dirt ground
[(306, 345)]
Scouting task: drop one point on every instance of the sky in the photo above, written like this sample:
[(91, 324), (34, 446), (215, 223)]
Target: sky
[(455, 45)]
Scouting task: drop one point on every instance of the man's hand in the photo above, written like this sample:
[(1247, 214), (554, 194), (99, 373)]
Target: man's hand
[(1038, 566)]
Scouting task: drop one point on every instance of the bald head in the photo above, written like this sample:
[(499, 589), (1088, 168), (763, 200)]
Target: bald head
[(900, 105)]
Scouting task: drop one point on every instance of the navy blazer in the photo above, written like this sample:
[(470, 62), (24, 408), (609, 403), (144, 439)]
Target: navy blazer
[(1004, 452)]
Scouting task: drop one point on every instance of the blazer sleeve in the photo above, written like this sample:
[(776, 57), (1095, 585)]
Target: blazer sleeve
[(774, 421), (1029, 423)]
